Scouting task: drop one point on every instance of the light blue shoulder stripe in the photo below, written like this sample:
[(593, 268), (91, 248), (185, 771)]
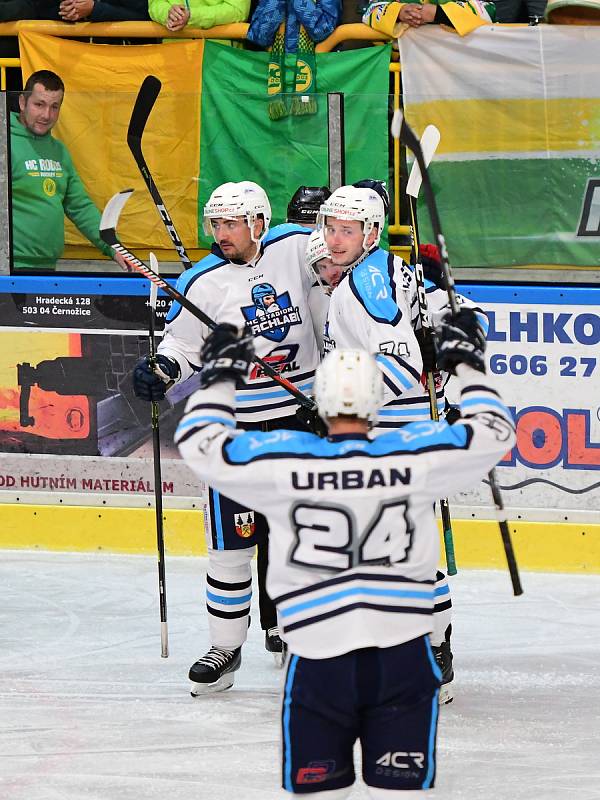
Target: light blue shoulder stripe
[(203, 266), (372, 286), (297, 444)]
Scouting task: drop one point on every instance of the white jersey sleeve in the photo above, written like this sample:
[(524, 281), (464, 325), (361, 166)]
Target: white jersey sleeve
[(370, 310), (353, 542)]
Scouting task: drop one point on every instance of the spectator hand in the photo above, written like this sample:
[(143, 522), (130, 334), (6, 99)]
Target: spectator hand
[(75, 10), (151, 380), (415, 14), (460, 341), (226, 354), (178, 18), (122, 262)]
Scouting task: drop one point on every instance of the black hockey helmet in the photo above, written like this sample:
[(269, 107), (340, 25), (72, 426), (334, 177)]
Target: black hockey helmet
[(377, 186), (305, 203)]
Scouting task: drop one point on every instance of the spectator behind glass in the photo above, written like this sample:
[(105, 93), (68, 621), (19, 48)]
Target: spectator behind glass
[(97, 11), (45, 185), (198, 13)]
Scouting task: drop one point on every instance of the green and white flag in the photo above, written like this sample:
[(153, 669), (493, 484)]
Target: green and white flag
[(517, 172)]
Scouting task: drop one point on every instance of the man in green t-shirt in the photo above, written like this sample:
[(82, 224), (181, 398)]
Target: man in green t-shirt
[(44, 182)]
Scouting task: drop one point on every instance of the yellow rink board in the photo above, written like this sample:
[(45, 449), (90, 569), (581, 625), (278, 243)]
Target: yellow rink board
[(542, 546)]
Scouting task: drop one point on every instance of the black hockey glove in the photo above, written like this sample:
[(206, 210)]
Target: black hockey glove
[(226, 355), (151, 381), (460, 340), (311, 420), (426, 342)]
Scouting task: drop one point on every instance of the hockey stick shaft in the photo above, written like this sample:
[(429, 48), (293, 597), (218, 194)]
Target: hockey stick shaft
[(412, 189), (158, 499), (108, 234), (144, 103), (401, 130)]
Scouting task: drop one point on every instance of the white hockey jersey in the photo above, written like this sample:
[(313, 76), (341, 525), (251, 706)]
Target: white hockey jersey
[(271, 299), (353, 542), (375, 307)]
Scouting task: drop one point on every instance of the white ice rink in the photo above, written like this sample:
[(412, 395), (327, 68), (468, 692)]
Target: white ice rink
[(89, 710)]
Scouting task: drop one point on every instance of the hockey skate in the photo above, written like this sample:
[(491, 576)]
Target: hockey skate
[(443, 658), (214, 672), (275, 645)]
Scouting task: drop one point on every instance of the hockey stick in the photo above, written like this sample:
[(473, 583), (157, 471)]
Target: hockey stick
[(144, 103), (108, 234), (158, 505), (429, 142), (401, 130)]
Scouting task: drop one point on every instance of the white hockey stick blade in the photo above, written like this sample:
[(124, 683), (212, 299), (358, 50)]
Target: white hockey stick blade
[(397, 120), (429, 144), (112, 210), (153, 287)]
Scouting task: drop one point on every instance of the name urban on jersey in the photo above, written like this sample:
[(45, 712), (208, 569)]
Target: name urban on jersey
[(350, 479)]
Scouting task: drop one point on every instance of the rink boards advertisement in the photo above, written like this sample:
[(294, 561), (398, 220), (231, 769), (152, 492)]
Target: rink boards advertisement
[(543, 357), (71, 426)]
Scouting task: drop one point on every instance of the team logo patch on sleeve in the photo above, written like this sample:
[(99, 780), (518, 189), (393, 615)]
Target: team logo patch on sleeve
[(271, 315), (244, 524)]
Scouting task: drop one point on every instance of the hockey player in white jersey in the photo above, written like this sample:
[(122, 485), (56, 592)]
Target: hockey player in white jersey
[(375, 307), (353, 551), (255, 278)]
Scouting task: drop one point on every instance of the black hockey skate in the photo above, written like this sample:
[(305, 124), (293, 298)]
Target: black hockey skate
[(275, 645), (443, 658), (214, 671)]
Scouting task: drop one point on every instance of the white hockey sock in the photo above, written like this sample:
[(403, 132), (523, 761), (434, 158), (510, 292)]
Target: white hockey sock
[(228, 595), (442, 610)]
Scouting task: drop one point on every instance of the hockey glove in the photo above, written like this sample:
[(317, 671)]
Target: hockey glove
[(226, 355), (311, 420), (426, 342), (461, 340), (151, 381)]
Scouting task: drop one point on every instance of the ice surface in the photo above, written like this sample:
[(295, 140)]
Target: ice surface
[(89, 710)]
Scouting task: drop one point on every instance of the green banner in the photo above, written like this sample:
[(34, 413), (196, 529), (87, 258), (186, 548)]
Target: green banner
[(239, 141)]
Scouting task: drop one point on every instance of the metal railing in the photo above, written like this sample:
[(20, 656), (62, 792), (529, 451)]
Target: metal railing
[(236, 32)]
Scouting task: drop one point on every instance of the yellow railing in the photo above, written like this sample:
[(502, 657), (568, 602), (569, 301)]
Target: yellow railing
[(236, 31)]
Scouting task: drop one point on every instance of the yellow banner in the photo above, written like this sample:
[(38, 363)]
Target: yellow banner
[(101, 84)]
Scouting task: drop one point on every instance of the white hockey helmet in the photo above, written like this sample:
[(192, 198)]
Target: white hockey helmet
[(244, 199), (349, 383), (316, 249), (351, 202)]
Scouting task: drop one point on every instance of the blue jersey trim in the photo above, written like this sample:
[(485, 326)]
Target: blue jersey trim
[(218, 520), (388, 364), (287, 739), (242, 397), (369, 591), (372, 283), (413, 438), (203, 420), (284, 231), (488, 401), (186, 281), (435, 708)]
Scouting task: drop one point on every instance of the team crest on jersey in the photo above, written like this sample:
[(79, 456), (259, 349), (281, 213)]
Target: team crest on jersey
[(244, 524), (271, 315), (328, 342)]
